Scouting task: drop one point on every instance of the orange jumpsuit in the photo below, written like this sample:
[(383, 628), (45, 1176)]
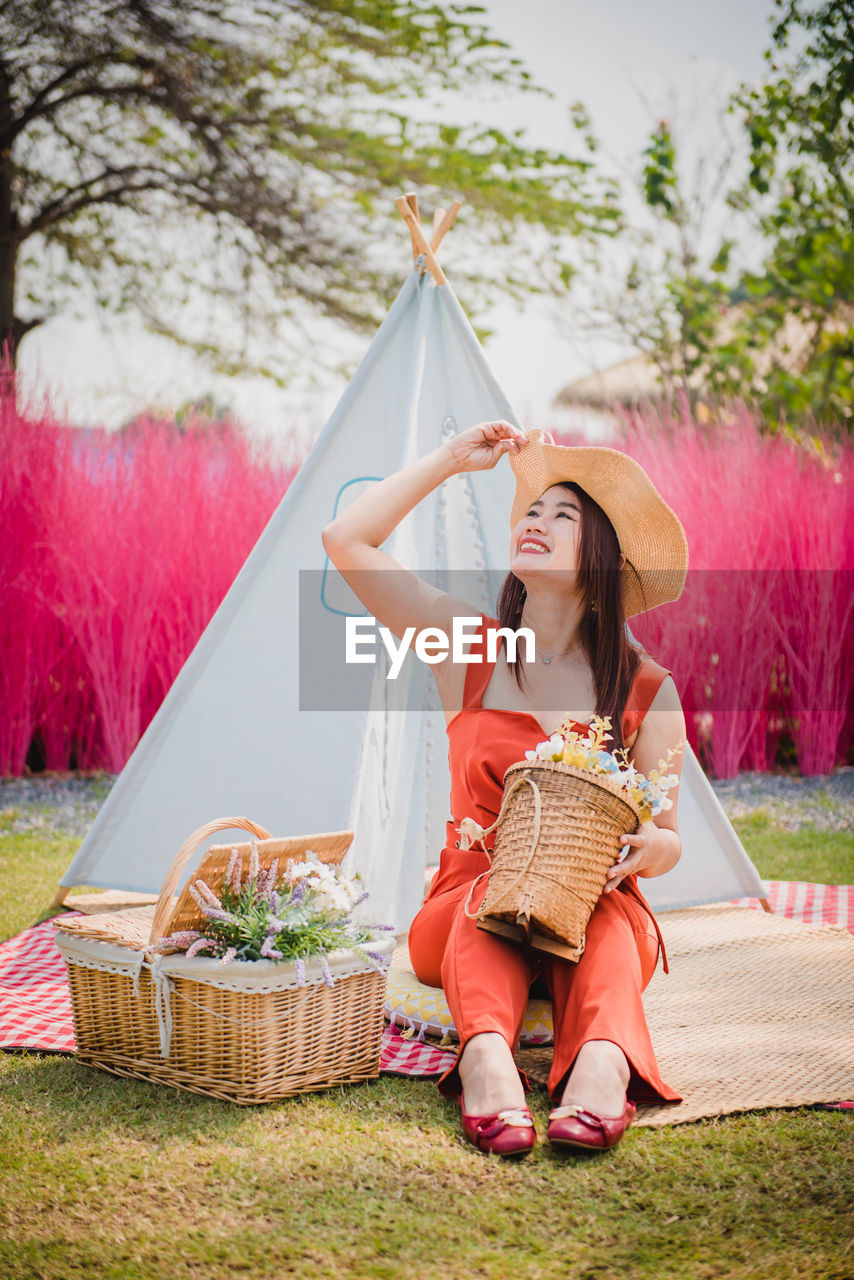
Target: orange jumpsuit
[(487, 978)]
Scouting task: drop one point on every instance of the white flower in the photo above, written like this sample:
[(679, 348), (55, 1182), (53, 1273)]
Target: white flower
[(556, 743), (298, 870)]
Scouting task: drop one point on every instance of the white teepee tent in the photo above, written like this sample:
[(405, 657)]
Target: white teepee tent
[(231, 736)]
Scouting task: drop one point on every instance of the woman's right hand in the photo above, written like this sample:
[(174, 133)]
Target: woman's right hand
[(480, 447)]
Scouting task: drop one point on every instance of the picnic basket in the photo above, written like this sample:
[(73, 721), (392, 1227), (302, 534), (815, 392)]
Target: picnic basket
[(245, 1032), (557, 833)]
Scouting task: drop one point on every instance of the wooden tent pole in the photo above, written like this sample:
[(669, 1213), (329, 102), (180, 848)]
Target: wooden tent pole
[(441, 226), (766, 906), (419, 240), (412, 201)]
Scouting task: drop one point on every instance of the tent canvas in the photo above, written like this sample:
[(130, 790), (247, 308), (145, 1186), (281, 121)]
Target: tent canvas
[(231, 737)]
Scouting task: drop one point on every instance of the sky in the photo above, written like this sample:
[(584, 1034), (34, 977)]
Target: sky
[(630, 63)]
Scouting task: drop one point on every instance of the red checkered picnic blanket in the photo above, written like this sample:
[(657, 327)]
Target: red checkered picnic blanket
[(35, 1005)]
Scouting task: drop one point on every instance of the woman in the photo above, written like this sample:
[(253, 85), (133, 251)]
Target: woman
[(578, 568)]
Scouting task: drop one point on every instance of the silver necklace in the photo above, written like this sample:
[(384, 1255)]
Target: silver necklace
[(546, 658)]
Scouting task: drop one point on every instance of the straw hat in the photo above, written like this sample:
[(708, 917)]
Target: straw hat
[(650, 535)]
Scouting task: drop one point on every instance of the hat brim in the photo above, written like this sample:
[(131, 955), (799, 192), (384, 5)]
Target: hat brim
[(650, 534)]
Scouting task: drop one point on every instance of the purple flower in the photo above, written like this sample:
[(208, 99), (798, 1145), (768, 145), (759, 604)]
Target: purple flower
[(327, 973), (234, 869), (254, 863), (181, 939), (229, 955), (274, 902), (298, 892), (299, 972), (206, 895), (196, 896), (217, 913), (270, 878), (268, 950), (201, 944)]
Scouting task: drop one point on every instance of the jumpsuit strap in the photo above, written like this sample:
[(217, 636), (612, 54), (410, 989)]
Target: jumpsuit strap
[(630, 887)]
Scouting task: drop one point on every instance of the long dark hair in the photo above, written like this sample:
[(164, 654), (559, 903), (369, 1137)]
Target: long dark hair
[(613, 661)]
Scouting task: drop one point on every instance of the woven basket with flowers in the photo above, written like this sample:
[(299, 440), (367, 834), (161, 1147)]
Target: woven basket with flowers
[(557, 834), (254, 983)]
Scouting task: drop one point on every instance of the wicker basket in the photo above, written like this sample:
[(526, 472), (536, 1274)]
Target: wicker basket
[(556, 836), (244, 1032)]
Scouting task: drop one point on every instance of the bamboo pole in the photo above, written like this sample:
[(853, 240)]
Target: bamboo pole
[(419, 241)]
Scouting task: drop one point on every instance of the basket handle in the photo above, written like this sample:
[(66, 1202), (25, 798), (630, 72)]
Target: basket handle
[(471, 832), (472, 915), (520, 782), (163, 910)]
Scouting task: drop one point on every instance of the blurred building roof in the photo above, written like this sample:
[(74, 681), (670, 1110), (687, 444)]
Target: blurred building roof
[(637, 378)]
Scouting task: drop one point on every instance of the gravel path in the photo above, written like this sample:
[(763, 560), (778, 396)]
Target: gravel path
[(67, 803)]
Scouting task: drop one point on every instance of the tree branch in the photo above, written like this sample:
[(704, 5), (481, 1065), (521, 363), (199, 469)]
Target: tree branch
[(34, 110), (58, 211)]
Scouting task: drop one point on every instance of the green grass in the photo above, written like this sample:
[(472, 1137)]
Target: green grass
[(823, 857), (137, 1182), (31, 864)]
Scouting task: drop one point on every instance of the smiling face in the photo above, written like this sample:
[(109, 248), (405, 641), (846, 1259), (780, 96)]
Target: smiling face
[(548, 535)]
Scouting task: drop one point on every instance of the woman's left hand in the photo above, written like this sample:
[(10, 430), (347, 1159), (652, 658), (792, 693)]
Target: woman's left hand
[(649, 850)]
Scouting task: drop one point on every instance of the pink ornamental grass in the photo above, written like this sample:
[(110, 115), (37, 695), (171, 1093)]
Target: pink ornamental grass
[(117, 551), (31, 646), (118, 548), (768, 597)]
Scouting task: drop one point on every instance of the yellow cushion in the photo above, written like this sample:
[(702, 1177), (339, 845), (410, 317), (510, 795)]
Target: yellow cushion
[(416, 1008)]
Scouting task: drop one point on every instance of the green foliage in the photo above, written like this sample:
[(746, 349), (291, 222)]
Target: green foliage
[(660, 172), (295, 924), (801, 187), (781, 336), (280, 141)]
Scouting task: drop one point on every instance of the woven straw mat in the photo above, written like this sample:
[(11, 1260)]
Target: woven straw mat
[(757, 1011)]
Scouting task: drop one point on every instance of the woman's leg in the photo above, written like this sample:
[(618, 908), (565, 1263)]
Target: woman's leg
[(602, 1042), (486, 980)]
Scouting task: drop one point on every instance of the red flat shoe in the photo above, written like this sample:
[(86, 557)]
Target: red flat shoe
[(507, 1133), (573, 1126)]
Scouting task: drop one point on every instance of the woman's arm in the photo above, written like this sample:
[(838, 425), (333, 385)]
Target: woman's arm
[(353, 540), (655, 847)]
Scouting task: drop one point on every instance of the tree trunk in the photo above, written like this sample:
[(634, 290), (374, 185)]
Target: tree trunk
[(8, 243)]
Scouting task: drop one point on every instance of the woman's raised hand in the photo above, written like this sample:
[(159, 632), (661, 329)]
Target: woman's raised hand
[(479, 448)]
